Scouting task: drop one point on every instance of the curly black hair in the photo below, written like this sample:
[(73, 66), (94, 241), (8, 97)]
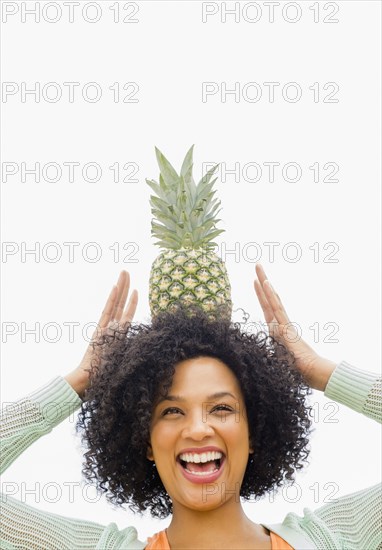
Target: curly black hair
[(115, 416)]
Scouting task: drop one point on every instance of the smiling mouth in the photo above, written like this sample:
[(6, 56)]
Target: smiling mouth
[(202, 468)]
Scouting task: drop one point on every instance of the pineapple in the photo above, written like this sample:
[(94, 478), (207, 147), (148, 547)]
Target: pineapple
[(184, 224)]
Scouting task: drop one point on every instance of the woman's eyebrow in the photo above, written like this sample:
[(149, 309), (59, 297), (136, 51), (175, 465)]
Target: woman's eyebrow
[(215, 395)]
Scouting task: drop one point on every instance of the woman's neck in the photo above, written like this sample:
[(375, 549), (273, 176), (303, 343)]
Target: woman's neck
[(223, 527)]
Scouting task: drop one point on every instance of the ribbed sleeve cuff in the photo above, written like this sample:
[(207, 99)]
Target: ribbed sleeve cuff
[(350, 386), (57, 400)]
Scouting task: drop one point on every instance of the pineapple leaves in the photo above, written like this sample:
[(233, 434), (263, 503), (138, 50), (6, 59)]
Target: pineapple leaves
[(168, 172), (163, 186), (168, 223), (184, 214), (203, 241), (206, 191), (206, 178), (188, 162), (186, 173), (159, 204), (157, 190), (169, 244)]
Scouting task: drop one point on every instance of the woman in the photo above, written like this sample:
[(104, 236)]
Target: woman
[(184, 417)]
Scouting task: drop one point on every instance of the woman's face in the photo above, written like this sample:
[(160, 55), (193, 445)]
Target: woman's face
[(203, 408)]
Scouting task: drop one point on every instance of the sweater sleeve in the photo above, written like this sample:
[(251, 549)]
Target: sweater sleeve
[(23, 526), (358, 389), (357, 517), (351, 522), (24, 421)]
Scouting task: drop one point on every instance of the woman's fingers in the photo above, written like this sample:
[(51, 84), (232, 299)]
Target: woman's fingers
[(267, 310), (260, 273), (108, 309), (114, 310), (131, 307), (262, 297), (123, 285), (269, 299), (275, 303)]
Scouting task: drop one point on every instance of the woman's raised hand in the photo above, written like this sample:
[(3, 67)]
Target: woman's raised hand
[(315, 369), (114, 316)]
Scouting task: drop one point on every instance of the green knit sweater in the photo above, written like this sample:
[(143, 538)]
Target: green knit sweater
[(352, 522)]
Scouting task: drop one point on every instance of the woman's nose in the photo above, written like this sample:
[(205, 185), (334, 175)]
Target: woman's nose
[(197, 427)]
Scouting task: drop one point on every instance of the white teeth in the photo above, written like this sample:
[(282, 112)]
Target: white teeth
[(200, 457), (203, 473)]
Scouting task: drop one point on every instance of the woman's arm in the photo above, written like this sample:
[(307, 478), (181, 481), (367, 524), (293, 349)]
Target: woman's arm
[(354, 520), (24, 526), (356, 517), (357, 389), (25, 421), (22, 423)]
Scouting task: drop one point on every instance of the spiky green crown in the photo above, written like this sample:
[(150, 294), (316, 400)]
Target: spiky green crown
[(184, 214)]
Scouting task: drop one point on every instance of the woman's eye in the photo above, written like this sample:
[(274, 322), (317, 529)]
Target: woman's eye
[(218, 408), (222, 408), (171, 410)]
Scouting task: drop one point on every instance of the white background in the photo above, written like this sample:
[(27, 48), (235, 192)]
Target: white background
[(169, 52)]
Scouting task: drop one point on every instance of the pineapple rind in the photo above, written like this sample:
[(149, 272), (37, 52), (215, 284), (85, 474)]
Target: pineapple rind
[(197, 277)]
